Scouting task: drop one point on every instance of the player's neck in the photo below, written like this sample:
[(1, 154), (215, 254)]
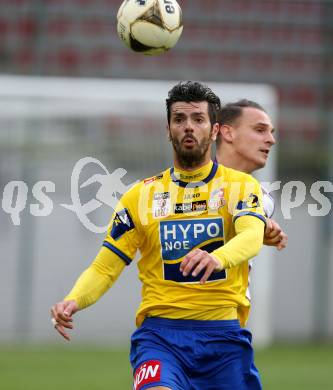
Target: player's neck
[(191, 165), (195, 174), (232, 160)]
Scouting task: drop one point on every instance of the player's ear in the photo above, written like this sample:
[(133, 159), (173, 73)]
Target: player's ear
[(215, 131), (168, 133), (226, 132)]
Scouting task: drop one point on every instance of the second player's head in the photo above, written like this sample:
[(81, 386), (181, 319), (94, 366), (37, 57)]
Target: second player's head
[(245, 137), (193, 112)]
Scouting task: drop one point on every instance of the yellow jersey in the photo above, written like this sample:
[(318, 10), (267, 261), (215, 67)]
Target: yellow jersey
[(170, 214)]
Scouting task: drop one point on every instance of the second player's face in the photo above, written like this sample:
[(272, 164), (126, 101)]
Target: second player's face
[(253, 137), (191, 132)]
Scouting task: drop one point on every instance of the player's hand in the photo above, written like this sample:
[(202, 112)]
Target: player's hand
[(198, 260), (274, 235), (61, 315)]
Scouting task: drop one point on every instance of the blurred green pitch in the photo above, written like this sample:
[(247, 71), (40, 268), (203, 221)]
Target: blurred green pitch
[(303, 367)]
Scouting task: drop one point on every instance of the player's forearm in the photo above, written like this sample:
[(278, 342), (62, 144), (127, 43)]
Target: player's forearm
[(245, 245), (96, 279)]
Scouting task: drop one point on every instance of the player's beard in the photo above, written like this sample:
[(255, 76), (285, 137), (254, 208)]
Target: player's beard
[(191, 158)]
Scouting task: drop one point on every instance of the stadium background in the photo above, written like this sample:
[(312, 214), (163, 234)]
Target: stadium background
[(286, 44)]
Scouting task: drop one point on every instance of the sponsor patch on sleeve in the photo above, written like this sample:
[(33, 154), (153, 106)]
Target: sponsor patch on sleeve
[(121, 224), (149, 372), (152, 179)]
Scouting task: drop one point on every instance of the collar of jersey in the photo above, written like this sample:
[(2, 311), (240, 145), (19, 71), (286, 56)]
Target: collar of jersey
[(193, 184)]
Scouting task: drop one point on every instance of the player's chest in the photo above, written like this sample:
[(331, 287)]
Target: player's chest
[(177, 202), (185, 213)]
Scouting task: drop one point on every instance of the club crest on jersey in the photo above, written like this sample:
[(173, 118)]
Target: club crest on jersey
[(178, 237), (148, 372), (251, 202), (161, 204), (216, 199), (122, 223)]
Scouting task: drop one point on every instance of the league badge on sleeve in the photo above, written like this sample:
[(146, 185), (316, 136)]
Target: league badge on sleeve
[(122, 223), (252, 202)]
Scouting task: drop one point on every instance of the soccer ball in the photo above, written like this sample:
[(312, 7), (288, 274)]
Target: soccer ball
[(149, 26)]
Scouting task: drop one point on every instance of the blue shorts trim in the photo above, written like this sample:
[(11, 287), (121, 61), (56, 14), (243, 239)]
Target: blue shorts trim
[(191, 324)]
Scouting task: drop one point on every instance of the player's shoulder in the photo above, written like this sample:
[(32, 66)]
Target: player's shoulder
[(265, 190), (149, 183), (160, 177), (139, 193), (233, 175), (268, 202)]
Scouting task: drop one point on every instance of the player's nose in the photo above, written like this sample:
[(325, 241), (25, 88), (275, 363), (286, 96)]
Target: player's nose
[(189, 126), (270, 139)]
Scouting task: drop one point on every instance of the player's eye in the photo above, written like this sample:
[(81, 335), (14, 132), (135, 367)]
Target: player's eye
[(177, 119)]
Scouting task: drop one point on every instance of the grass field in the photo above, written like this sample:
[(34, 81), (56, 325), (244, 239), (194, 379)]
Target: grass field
[(86, 368)]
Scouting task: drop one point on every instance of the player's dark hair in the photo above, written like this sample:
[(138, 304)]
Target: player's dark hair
[(232, 111), (193, 91)]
